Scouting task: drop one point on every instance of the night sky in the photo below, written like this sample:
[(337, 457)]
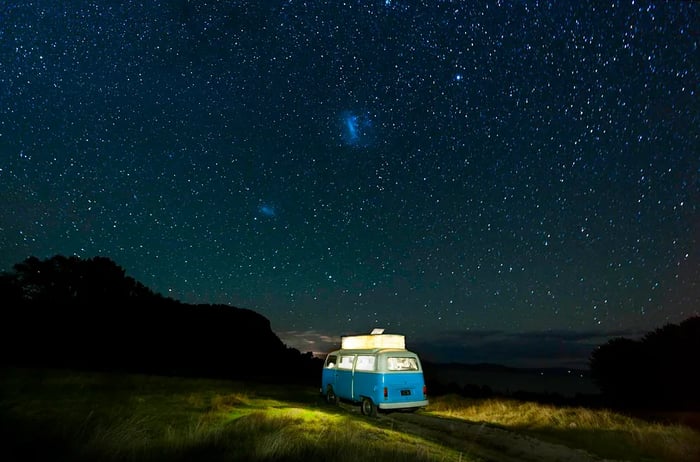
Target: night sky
[(502, 181)]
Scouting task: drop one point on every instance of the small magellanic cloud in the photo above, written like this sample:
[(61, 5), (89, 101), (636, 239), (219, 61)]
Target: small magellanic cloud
[(267, 210)]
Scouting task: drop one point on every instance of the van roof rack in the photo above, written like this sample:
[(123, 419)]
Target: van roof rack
[(372, 341)]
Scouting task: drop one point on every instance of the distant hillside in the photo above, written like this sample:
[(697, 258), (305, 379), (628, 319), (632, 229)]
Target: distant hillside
[(657, 371), (70, 312)]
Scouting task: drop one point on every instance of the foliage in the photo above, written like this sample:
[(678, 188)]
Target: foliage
[(70, 280), (70, 312), (657, 371)]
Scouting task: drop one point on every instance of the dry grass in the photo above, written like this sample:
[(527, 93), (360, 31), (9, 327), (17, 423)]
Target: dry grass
[(599, 431)]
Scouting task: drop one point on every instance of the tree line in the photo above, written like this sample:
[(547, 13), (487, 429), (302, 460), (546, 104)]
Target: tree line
[(70, 312), (659, 370)]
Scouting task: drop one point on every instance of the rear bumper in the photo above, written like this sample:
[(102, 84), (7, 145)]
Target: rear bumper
[(403, 405)]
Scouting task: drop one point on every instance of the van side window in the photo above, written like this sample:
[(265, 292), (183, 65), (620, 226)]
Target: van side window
[(402, 364), (331, 361), (365, 363), (345, 362)]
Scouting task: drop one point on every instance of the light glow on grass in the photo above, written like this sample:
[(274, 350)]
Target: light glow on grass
[(295, 433), (143, 418)]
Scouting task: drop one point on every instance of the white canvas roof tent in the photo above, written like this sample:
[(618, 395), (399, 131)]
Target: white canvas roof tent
[(377, 339)]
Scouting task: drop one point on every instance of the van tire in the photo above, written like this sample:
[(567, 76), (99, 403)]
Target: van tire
[(368, 408), (331, 397)]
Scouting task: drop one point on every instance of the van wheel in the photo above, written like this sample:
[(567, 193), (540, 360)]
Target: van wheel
[(331, 397), (368, 408)]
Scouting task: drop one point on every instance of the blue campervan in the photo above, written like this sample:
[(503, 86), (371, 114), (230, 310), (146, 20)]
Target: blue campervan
[(376, 371)]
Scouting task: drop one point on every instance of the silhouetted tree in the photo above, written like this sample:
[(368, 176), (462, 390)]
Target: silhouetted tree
[(10, 290), (69, 312), (72, 281), (659, 370)]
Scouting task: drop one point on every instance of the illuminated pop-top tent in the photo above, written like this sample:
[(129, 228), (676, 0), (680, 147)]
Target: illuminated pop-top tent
[(377, 339)]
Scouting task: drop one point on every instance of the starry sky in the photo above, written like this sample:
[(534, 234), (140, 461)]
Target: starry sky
[(500, 181)]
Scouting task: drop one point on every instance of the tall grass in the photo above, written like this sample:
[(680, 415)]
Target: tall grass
[(602, 432), (81, 416), (62, 416)]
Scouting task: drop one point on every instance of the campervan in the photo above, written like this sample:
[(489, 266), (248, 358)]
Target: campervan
[(376, 371)]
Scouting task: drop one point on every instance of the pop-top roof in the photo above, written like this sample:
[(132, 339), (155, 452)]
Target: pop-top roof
[(368, 342)]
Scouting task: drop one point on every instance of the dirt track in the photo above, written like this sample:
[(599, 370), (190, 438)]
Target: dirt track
[(485, 441)]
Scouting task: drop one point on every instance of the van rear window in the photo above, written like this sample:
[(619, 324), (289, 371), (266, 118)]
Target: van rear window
[(402, 364)]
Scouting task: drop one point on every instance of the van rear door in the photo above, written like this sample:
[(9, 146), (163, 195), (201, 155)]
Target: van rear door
[(404, 379)]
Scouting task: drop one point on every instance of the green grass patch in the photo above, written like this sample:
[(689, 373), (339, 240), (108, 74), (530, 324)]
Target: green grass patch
[(63, 415)]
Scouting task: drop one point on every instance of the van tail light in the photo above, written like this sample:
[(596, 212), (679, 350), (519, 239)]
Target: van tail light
[(425, 391), (386, 393)]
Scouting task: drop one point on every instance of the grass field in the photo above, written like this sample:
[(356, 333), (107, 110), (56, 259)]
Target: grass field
[(54, 415), (62, 415), (608, 434)]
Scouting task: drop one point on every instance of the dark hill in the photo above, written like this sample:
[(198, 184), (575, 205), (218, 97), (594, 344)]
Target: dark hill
[(70, 312)]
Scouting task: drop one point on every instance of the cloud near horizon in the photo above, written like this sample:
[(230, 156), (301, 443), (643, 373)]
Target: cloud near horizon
[(521, 349), (310, 341)]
